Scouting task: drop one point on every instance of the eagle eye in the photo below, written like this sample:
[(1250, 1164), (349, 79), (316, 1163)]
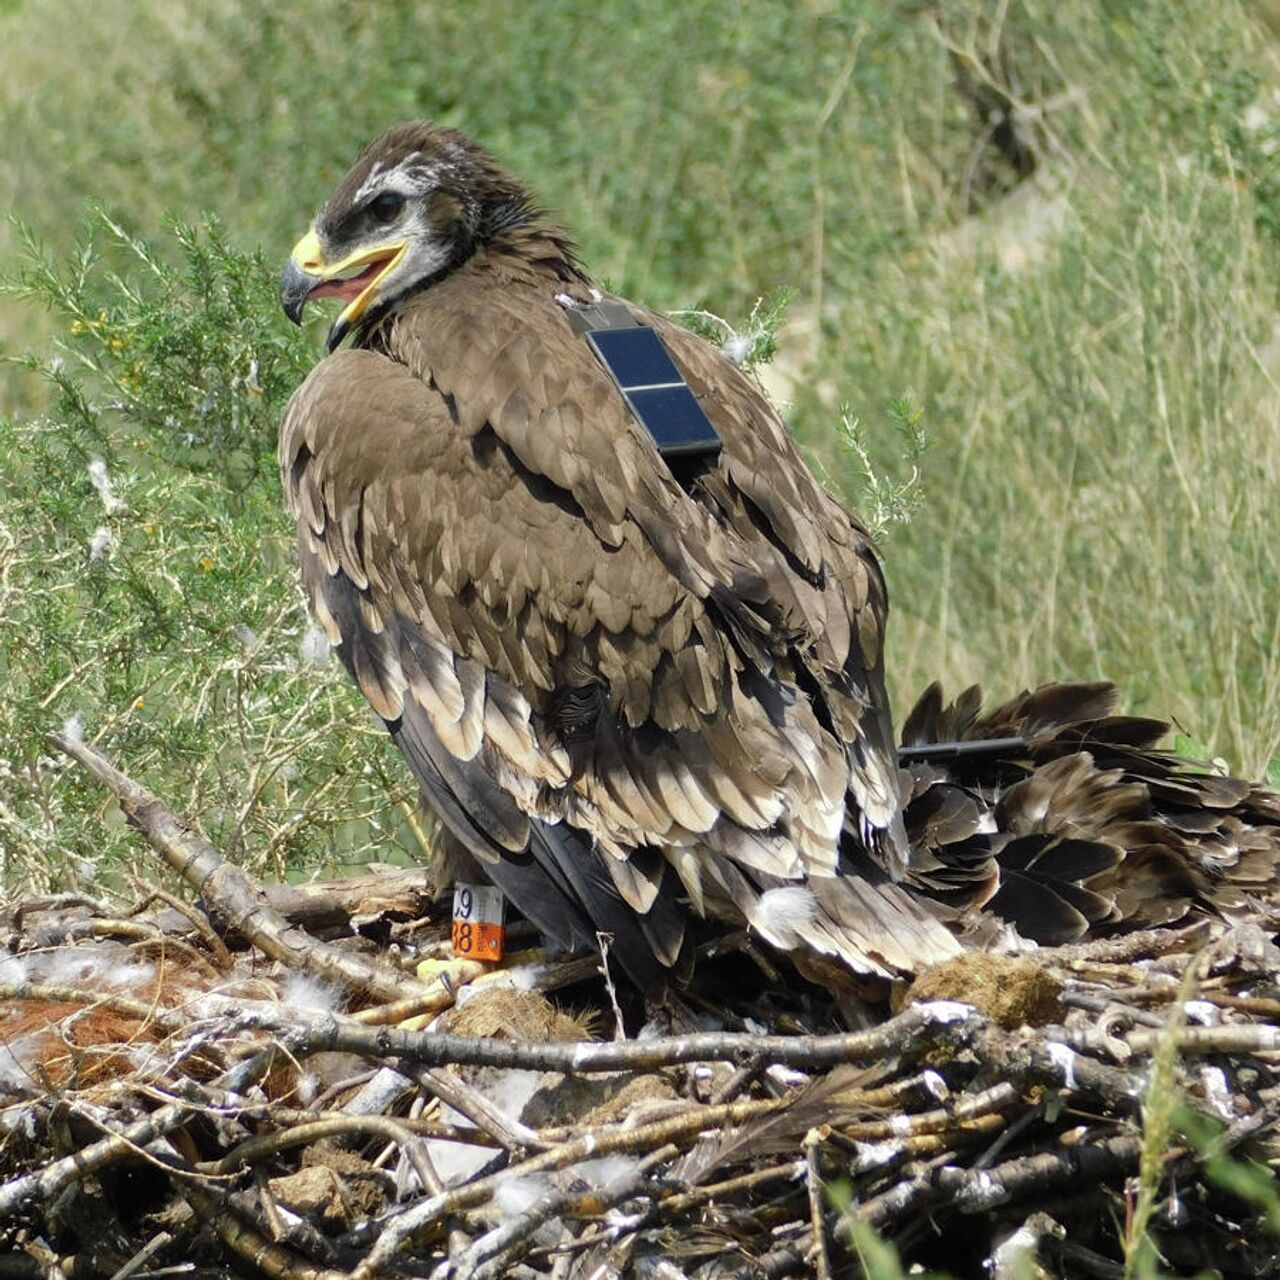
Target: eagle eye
[(386, 206)]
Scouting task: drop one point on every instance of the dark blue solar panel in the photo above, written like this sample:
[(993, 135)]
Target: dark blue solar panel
[(674, 419), (635, 357), (654, 388)]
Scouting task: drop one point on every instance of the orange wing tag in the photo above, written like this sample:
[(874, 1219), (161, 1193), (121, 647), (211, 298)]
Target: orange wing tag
[(478, 932)]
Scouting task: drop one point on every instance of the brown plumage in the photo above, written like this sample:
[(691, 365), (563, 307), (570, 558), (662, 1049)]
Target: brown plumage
[(623, 695), (629, 695)]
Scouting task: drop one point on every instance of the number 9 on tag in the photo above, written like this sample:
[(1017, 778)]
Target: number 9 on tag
[(478, 931)]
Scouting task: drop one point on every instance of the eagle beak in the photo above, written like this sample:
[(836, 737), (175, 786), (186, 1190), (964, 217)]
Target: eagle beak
[(309, 275)]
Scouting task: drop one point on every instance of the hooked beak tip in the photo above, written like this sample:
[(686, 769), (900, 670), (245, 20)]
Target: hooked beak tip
[(295, 288)]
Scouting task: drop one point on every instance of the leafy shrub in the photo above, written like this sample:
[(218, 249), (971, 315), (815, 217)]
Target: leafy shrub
[(149, 586)]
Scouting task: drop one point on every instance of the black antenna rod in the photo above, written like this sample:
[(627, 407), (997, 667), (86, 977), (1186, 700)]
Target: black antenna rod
[(975, 748)]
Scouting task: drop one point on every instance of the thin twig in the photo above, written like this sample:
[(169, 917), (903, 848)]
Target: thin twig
[(51, 993), (727, 1189), (818, 1250), (977, 1190), (1244, 1037), (197, 919), (485, 1115), (56, 1176), (544, 977), (618, 1139), (492, 1254), (256, 1149), (148, 1250), (1142, 945), (250, 1245)]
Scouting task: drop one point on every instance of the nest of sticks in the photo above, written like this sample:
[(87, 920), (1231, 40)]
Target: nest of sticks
[(276, 1084)]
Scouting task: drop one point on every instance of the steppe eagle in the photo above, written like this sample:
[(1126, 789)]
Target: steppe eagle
[(631, 649)]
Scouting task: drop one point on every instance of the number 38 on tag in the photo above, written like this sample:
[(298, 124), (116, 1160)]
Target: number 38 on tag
[(478, 932)]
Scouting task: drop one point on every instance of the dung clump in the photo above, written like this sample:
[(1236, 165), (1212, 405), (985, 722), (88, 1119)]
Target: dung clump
[(1013, 991)]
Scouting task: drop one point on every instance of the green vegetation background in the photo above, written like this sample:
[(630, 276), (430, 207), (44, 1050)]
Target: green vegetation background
[(1093, 346)]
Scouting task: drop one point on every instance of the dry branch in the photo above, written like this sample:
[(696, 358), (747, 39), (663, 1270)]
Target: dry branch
[(230, 893), (921, 1028)]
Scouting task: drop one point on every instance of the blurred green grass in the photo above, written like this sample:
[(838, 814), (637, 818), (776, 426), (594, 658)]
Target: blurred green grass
[(1054, 226)]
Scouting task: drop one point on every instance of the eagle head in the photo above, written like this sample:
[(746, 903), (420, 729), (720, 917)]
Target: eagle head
[(417, 203)]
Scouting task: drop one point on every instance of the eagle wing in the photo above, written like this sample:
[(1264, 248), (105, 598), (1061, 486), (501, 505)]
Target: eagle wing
[(612, 691)]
